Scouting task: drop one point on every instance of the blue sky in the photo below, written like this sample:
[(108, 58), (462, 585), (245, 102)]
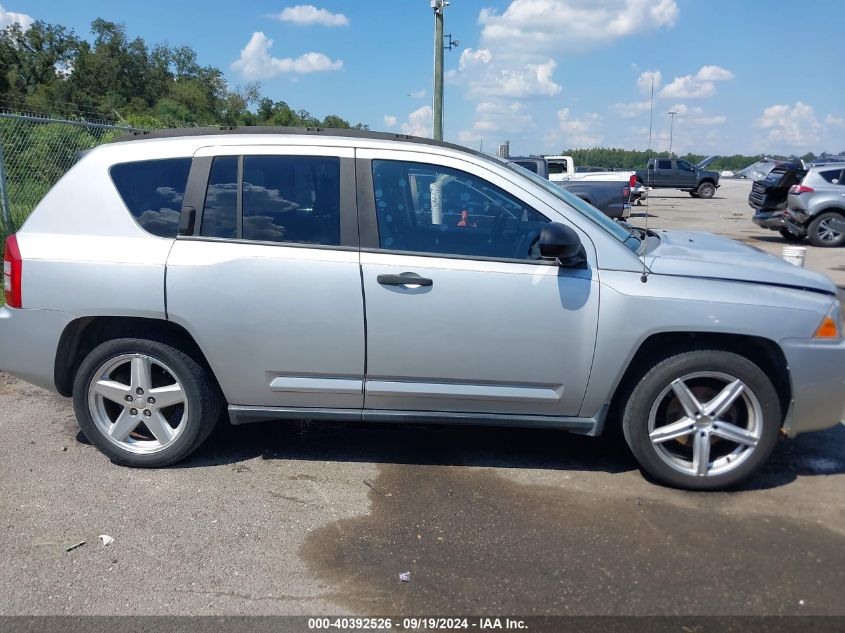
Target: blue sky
[(744, 75)]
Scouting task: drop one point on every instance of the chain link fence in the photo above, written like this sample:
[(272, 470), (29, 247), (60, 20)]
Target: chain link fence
[(35, 151)]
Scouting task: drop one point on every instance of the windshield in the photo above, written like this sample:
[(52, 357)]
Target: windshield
[(624, 235)]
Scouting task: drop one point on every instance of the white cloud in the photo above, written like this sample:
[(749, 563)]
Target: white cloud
[(687, 87), (700, 86), (255, 61), (417, 94), (713, 73), (483, 77), (557, 25), (644, 81), (389, 121), (419, 122), (695, 116), (795, 126), (834, 121), (579, 132), (309, 15), (8, 18), (631, 110)]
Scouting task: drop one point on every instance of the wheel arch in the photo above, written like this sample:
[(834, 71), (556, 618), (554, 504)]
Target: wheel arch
[(82, 335), (763, 352)]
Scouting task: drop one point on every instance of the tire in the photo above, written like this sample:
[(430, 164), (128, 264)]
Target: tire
[(170, 391), (789, 236), (821, 234), (706, 190), (693, 194), (754, 415)]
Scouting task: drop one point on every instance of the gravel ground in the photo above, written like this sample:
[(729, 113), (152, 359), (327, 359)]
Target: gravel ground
[(322, 518)]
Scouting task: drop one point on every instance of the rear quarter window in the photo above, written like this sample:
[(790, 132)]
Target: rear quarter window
[(833, 176), (153, 191)]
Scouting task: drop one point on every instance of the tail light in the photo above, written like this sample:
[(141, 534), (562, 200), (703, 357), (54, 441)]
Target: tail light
[(12, 272), (796, 189), (626, 192), (632, 181)]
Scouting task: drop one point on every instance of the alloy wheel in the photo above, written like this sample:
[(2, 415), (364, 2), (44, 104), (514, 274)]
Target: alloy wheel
[(826, 232), (138, 403), (705, 423)]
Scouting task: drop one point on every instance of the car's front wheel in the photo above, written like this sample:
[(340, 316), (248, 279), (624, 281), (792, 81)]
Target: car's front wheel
[(822, 231), (706, 190), (144, 403), (702, 420)]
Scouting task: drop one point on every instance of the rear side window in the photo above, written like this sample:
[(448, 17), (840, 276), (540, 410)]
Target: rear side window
[(220, 212), (664, 164), (292, 199), (557, 168), (833, 176), (153, 191)]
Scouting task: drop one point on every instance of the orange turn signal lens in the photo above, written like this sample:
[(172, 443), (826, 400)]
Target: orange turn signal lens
[(827, 329)]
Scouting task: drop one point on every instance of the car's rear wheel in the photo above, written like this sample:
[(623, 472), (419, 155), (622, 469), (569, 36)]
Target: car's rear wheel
[(702, 420), (789, 236), (144, 403), (821, 230), (706, 190)]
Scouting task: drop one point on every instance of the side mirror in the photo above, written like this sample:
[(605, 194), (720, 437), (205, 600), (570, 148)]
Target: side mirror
[(558, 241)]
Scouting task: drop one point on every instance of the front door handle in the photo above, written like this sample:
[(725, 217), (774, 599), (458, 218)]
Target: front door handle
[(405, 279)]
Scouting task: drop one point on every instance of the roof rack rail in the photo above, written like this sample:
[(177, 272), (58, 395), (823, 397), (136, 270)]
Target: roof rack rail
[(268, 129)]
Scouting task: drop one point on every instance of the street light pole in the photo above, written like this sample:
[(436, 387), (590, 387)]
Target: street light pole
[(671, 129), (437, 107)]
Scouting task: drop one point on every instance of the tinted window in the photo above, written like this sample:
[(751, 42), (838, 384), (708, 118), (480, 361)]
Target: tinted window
[(682, 164), (557, 168), (292, 199), (153, 192), (433, 209), (220, 212), (833, 176), (664, 164)]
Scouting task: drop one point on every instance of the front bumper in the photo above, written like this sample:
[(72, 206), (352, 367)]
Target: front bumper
[(29, 340), (772, 220), (817, 373)]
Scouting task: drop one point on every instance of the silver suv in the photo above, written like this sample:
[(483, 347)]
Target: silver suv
[(323, 274), (816, 207)]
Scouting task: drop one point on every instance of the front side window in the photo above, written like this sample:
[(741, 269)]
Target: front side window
[(682, 164), (153, 191), (433, 209), (291, 199)]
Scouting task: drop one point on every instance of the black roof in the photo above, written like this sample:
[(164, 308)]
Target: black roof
[(310, 131)]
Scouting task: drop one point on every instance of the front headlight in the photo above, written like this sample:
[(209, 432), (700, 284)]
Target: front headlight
[(832, 325)]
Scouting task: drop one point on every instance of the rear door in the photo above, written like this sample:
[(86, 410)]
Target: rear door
[(462, 315), (268, 280)]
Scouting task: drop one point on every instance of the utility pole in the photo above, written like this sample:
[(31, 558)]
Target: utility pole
[(671, 129), (650, 116), (437, 107)]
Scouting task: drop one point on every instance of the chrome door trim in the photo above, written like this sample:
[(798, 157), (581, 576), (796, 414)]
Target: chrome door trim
[(463, 391), (298, 384)]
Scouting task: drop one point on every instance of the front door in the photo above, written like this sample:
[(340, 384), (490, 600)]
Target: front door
[(462, 315), (269, 282)]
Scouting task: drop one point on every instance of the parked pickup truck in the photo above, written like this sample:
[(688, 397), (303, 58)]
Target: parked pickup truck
[(669, 173), (563, 168), (611, 197)]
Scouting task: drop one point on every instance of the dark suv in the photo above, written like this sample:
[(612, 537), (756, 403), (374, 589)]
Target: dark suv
[(768, 197)]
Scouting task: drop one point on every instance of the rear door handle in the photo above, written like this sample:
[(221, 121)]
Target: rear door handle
[(405, 279)]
